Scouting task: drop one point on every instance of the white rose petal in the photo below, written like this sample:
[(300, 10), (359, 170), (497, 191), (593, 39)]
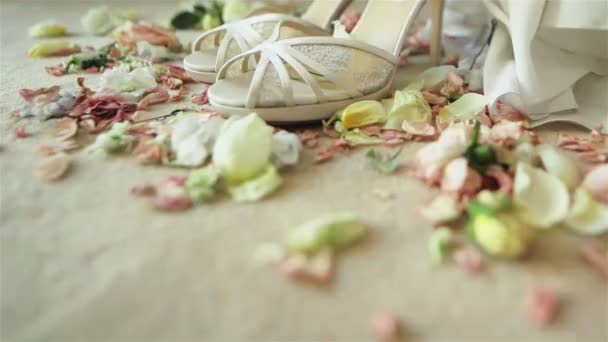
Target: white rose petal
[(587, 216), (193, 138), (243, 148), (541, 199), (559, 165), (286, 148)]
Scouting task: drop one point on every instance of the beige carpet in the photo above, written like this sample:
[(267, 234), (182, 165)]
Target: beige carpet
[(82, 260)]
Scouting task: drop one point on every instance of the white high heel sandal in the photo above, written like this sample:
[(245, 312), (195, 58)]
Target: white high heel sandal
[(213, 48), (310, 78)]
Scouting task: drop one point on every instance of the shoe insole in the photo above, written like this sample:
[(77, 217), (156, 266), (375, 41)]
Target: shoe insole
[(382, 23), (320, 12)]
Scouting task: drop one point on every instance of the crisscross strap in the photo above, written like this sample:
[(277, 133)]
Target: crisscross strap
[(246, 37), (282, 56)]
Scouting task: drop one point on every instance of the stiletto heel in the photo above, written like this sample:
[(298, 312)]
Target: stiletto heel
[(436, 9)]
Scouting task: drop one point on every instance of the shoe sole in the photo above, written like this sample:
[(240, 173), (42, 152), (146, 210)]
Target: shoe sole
[(299, 114), (201, 76)]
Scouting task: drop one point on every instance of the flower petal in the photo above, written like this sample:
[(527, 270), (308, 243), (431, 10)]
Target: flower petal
[(286, 149), (243, 148), (587, 216), (47, 29), (596, 182), (541, 199), (435, 77), (442, 209), (559, 165), (333, 231), (363, 113), (254, 189), (465, 108), (54, 168)]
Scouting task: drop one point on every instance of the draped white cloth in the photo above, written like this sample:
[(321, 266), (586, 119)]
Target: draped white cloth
[(547, 58), (547, 55)]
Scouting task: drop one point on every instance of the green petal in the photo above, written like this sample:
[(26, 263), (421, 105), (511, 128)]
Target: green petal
[(201, 184), (408, 105), (438, 244), (356, 138), (465, 108), (235, 10), (334, 231), (434, 78), (257, 188)]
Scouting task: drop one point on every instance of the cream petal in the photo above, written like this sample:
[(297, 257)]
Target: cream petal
[(541, 199)]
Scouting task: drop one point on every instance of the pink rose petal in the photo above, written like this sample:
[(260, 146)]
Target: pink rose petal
[(66, 128), (350, 19), (324, 156), (53, 168), (143, 190), (460, 179), (41, 95), (542, 306), (129, 34), (386, 326), (596, 182), (596, 256), (434, 99), (309, 138), (171, 194), (318, 269), (156, 96), (468, 259), (455, 78), (20, 132)]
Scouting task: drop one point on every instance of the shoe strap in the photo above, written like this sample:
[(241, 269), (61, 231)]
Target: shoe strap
[(282, 55)]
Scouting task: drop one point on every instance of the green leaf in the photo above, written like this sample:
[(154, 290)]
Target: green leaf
[(200, 10), (185, 20), (383, 164)]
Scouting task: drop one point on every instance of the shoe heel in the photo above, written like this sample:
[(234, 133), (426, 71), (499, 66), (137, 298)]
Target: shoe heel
[(436, 13)]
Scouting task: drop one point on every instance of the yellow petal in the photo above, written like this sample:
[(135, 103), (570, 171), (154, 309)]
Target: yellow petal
[(363, 113), (501, 235), (52, 49), (47, 29)]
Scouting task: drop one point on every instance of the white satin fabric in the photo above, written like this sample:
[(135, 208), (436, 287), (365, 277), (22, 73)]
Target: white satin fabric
[(548, 55)]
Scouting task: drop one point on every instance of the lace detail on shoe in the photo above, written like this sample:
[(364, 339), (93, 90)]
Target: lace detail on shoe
[(289, 74)]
